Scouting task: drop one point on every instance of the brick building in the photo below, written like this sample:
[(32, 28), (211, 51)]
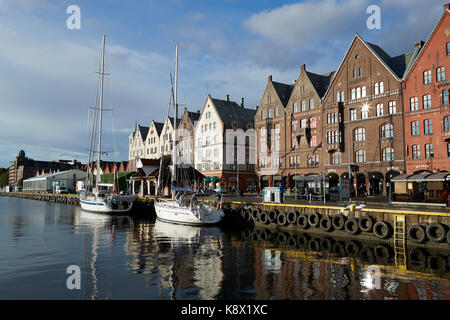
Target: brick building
[(426, 100), (366, 129)]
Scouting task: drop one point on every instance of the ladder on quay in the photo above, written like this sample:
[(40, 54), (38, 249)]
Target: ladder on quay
[(400, 242)]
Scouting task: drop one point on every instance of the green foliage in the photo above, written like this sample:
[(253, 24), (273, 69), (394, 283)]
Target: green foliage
[(4, 177), (20, 183)]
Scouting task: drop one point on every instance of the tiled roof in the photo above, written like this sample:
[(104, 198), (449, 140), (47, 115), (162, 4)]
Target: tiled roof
[(320, 82), (144, 131), (232, 113), (159, 126), (284, 91)]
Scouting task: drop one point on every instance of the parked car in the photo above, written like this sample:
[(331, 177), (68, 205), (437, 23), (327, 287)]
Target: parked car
[(61, 190)]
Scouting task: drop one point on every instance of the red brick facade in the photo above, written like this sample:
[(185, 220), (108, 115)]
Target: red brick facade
[(426, 101)]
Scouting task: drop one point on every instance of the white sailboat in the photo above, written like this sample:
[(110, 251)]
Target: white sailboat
[(184, 207), (103, 197)]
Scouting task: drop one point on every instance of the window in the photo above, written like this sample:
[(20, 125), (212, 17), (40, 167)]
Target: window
[(379, 109), (416, 152), (313, 141), (294, 125), (414, 103), (381, 87), (447, 123), (377, 88), (426, 101), (364, 114), (388, 154), (303, 105), (270, 113), (363, 91), (342, 96), (448, 48), (353, 93), (338, 97), (353, 115), (358, 93), (360, 156), (303, 123), (387, 131), (311, 104), (295, 107), (429, 151), (313, 122), (360, 135), (392, 107), (277, 111), (354, 73), (444, 96), (448, 149), (313, 161), (427, 77), (440, 74), (263, 115), (336, 158), (415, 130), (428, 126), (360, 71)]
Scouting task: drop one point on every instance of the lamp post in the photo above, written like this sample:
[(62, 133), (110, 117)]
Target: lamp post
[(350, 153)]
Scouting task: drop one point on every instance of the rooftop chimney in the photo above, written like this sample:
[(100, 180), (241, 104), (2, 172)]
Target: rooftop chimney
[(242, 102), (227, 98), (270, 78), (418, 44), (447, 6)]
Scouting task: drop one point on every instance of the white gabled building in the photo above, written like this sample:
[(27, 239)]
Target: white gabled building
[(224, 143), (152, 148), (137, 142)]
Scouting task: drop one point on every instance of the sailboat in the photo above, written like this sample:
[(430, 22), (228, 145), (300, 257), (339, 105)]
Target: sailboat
[(184, 207), (102, 197)]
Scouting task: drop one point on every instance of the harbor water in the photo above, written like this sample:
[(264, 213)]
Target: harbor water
[(123, 257)]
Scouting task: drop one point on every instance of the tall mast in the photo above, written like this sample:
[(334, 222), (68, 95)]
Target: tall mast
[(175, 117), (99, 145)]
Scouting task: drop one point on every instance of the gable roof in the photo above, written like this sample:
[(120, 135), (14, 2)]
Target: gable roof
[(320, 82), (230, 112), (144, 131), (416, 56), (158, 126), (194, 116), (382, 56), (284, 91)]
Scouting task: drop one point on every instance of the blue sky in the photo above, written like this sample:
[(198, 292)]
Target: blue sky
[(47, 78)]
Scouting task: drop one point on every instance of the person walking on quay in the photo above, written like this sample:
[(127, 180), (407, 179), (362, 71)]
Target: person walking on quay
[(281, 192)]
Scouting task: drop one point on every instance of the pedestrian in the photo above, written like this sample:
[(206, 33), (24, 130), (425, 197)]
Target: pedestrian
[(281, 187)]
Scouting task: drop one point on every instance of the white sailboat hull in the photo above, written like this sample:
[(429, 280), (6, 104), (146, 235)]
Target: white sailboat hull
[(201, 214), (103, 205)]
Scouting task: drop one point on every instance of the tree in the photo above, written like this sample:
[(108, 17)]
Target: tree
[(4, 177), (20, 183)]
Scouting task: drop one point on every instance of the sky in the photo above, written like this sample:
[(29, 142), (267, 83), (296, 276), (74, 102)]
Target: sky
[(48, 74)]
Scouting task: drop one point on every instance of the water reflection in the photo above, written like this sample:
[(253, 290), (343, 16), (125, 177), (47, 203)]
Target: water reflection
[(124, 257)]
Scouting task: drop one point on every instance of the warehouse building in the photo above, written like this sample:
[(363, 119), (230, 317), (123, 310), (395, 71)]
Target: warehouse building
[(47, 182)]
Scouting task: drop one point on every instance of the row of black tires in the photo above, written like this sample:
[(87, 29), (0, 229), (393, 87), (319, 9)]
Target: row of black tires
[(354, 249), (436, 232)]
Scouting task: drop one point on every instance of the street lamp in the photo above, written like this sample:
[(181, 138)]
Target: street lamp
[(350, 153)]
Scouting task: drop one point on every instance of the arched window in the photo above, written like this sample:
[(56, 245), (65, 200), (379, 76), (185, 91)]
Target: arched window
[(387, 131), (388, 154), (447, 123), (360, 156), (360, 135)]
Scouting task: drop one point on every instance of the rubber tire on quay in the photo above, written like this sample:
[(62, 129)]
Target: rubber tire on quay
[(326, 224), (412, 233), (339, 249), (291, 241), (263, 217), (248, 216), (281, 238), (264, 235), (437, 263), (326, 244), (348, 229), (314, 219), (383, 226), (314, 245), (448, 239), (273, 215), (282, 219), (339, 221), (302, 240), (255, 214), (418, 257), (382, 253), (352, 248), (365, 223), (367, 255), (302, 221), (431, 234), (292, 217)]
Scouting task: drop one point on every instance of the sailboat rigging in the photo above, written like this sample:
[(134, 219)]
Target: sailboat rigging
[(184, 207), (101, 197)]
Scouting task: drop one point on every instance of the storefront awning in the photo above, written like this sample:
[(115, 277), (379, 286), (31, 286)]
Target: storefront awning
[(419, 177), (401, 178), (441, 176)]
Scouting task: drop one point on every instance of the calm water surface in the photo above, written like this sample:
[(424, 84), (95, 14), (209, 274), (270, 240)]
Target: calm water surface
[(138, 258)]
